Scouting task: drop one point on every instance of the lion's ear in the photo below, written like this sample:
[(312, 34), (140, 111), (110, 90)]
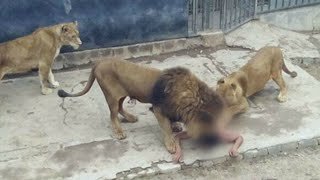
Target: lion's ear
[(234, 86), (221, 81), (64, 29)]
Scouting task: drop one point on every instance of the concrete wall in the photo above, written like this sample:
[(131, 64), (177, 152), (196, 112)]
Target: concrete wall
[(102, 23), (298, 19)]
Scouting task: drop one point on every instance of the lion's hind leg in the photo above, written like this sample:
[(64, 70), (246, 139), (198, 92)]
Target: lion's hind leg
[(277, 77), (129, 117), (113, 97)]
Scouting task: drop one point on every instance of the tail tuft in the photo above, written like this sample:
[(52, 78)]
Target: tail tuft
[(293, 74), (62, 93)]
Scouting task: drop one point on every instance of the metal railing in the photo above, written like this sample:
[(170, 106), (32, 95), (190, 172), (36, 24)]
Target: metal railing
[(204, 15), (265, 6), (226, 15), (236, 13)]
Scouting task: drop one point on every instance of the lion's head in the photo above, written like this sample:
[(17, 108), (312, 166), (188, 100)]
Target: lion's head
[(183, 97), (69, 34), (233, 87)]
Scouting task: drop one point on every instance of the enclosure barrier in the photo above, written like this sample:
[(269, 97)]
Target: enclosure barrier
[(226, 15)]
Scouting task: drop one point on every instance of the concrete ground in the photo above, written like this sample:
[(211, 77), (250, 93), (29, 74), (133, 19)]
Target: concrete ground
[(46, 137), (301, 164)]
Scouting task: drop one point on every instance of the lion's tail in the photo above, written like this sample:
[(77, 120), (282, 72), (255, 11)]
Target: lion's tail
[(284, 67), (286, 70), (62, 93)]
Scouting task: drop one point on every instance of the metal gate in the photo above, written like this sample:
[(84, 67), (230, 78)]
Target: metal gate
[(211, 15), (226, 15), (265, 6)]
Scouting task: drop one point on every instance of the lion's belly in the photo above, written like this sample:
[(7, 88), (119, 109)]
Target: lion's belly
[(257, 82), (23, 66)]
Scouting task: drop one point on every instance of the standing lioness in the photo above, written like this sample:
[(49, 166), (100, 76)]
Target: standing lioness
[(267, 64), (119, 79), (38, 50)]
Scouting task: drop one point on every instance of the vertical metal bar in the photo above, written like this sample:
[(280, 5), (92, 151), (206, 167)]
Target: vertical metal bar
[(225, 14), (205, 7), (276, 6), (230, 13), (296, 2), (282, 3), (249, 9), (289, 3), (209, 13), (255, 8), (240, 8), (195, 15), (201, 7), (252, 7), (269, 4), (221, 15), (190, 22), (235, 11)]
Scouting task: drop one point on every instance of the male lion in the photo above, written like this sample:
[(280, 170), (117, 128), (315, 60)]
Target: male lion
[(178, 95), (117, 80), (38, 50), (267, 64)]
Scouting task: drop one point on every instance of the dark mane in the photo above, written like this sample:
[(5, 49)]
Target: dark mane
[(183, 97)]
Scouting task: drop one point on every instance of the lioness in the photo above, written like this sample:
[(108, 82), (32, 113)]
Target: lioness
[(117, 80), (178, 95), (267, 64), (38, 50)]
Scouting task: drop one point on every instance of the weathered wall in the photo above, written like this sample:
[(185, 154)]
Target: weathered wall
[(299, 19), (102, 23)]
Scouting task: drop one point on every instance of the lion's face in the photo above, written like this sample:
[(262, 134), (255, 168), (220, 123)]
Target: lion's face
[(230, 90), (70, 35)]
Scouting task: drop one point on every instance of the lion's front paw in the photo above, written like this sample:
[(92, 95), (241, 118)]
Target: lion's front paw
[(170, 145), (282, 98), (46, 91), (55, 84), (120, 135)]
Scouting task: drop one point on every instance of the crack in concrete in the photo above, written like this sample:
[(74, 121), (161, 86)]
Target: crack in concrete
[(222, 70), (64, 121), (207, 67), (241, 47), (18, 149), (65, 112)]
